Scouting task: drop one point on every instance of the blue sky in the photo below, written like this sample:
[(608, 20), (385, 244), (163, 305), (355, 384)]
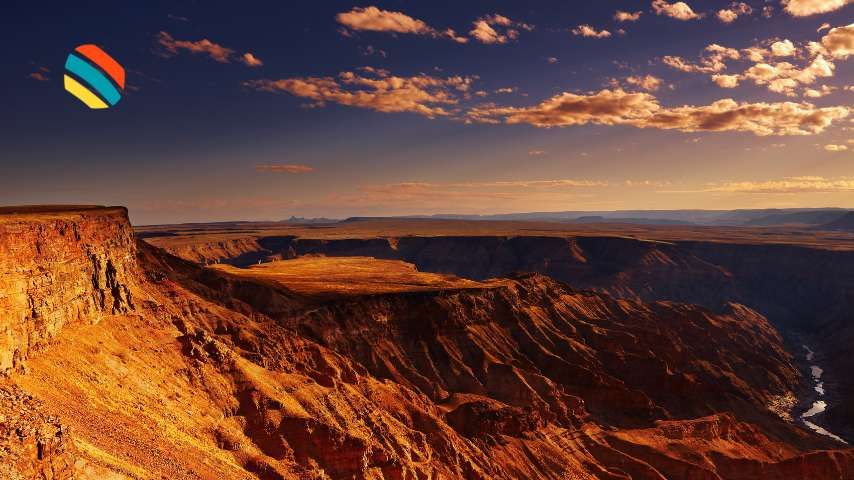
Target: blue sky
[(504, 118)]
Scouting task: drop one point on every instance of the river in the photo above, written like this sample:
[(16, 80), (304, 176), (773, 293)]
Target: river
[(819, 405)]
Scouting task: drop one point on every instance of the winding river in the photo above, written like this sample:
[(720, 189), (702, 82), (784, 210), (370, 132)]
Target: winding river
[(818, 406)]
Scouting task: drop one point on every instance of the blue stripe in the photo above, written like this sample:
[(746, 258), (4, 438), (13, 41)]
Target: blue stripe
[(93, 77)]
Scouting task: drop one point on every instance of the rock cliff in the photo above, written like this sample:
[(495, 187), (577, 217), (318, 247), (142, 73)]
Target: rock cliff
[(127, 362)]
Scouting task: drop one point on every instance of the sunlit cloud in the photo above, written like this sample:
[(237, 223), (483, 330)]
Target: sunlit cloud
[(810, 184), (803, 8), (422, 94), (839, 42), (642, 110), (284, 168), (251, 60), (373, 19), (736, 10), (171, 47), (713, 60), (649, 83), (836, 148), (496, 28), (622, 16), (590, 32), (678, 10)]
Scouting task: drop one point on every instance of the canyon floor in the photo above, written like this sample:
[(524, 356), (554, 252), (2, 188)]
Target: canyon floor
[(385, 349)]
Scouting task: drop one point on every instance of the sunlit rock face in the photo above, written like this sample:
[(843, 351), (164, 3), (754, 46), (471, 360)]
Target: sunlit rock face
[(128, 362)]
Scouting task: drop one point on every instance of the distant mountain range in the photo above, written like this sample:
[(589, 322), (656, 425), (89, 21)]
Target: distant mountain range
[(811, 217), (843, 223)]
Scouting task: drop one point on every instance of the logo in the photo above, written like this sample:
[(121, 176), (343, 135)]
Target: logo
[(94, 77)]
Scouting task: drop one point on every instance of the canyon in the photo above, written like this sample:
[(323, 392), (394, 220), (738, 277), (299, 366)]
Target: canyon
[(430, 351)]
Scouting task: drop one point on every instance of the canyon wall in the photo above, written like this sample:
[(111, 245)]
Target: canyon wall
[(127, 362), (58, 268)]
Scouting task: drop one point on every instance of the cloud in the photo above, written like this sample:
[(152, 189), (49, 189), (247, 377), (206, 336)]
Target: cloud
[(839, 42), (731, 14), (679, 10), (497, 29), (251, 60), (284, 168), (40, 74), (836, 148), (642, 110), (204, 46), (588, 31), (647, 82), (803, 8), (536, 153), (422, 94), (726, 81), (783, 77), (787, 185), (713, 60), (215, 51), (373, 19), (370, 50), (622, 16), (552, 60), (727, 16), (783, 48), (822, 91)]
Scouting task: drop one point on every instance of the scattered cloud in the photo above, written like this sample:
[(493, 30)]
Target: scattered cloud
[(536, 153), (736, 9), (422, 94), (836, 148), (803, 8), (783, 48), (40, 74), (726, 81), (713, 60), (787, 185), (839, 42), (804, 66), (204, 46), (783, 77), (590, 32), (284, 168), (251, 60), (678, 10), (370, 50), (642, 110), (496, 29), (622, 16), (373, 19), (177, 18), (171, 47), (647, 82), (819, 92)]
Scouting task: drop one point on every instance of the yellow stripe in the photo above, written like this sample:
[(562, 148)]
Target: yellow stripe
[(83, 94)]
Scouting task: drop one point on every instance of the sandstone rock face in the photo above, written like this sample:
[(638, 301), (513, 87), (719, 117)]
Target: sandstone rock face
[(165, 369), (32, 444), (57, 269)]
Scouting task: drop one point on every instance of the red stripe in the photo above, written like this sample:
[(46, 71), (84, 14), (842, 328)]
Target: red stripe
[(106, 62)]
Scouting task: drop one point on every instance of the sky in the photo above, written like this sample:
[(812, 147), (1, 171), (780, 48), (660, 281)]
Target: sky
[(264, 110)]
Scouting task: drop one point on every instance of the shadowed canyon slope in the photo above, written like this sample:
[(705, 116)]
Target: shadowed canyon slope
[(123, 361)]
